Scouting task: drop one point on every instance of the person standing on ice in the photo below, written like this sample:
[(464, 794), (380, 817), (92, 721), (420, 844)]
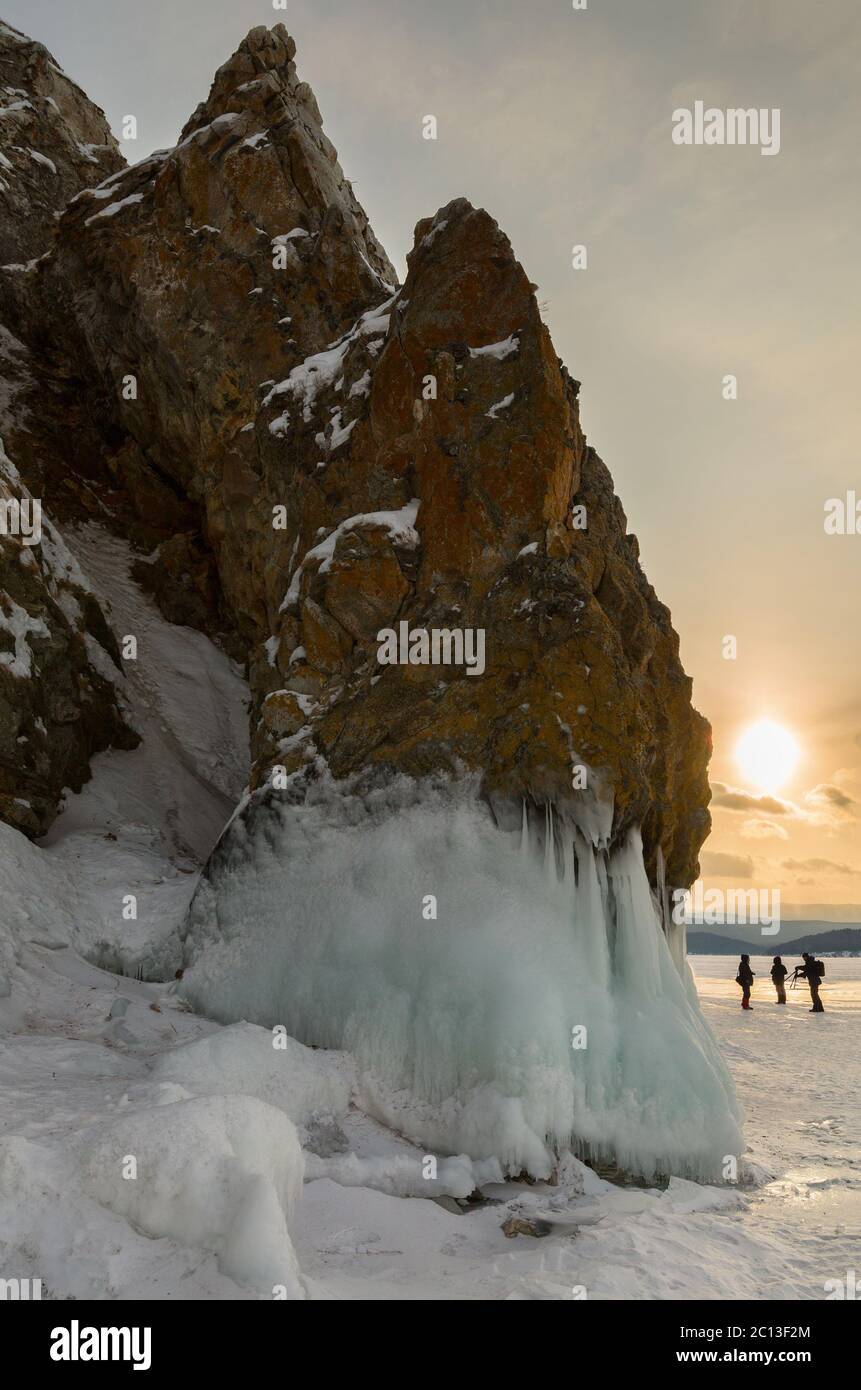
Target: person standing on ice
[(778, 975), (812, 971), (745, 979)]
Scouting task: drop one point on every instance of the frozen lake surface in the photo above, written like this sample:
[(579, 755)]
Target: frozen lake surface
[(83, 1055)]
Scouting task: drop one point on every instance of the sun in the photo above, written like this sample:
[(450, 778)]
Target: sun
[(767, 754)]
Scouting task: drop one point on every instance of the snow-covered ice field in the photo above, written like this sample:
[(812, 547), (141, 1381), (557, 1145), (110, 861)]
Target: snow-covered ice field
[(256, 1170), (798, 1076), (99, 1067)]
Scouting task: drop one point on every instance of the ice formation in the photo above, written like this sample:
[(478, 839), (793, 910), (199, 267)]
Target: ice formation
[(244, 1060), (221, 1172), (468, 1029)]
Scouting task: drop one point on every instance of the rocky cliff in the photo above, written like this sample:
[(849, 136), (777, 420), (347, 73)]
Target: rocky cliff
[(380, 499), (60, 666), (53, 143), (448, 408), (266, 396)]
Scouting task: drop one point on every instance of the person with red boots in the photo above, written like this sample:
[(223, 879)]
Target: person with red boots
[(745, 979)]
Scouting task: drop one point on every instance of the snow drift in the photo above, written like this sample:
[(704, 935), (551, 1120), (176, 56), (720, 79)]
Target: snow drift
[(244, 1060), (221, 1172), (469, 1029)]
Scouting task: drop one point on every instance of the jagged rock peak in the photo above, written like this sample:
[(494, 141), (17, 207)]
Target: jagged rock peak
[(261, 68), (259, 135), (53, 142), (474, 504)]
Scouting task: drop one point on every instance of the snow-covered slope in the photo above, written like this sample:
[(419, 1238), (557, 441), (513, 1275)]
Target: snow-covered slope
[(146, 821)]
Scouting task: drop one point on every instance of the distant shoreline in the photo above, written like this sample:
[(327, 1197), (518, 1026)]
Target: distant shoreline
[(845, 941)]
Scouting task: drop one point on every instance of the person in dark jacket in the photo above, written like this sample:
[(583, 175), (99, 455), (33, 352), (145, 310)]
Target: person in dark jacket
[(778, 975), (810, 972), (745, 979)]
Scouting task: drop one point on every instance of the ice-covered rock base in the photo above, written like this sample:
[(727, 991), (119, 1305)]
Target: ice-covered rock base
[(506, 996)]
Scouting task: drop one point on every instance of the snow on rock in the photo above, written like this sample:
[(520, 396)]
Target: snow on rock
[(361, 387), (499, 350), (150, 814), (279, 427), (54, 138), (113, 208), (500, 405), (284, 237), (400, 524), (340, 433), (20, 626), (438, 225), (401, 1175), (42, 159), (318, 372), (60, 698)]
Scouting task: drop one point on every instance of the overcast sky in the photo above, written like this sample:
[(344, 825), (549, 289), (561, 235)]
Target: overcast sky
[(703, 261)]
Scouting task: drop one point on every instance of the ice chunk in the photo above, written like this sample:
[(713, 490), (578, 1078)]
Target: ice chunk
[(220, 1172)]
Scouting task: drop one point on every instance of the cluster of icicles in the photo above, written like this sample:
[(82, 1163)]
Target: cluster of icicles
[(541, 1008)]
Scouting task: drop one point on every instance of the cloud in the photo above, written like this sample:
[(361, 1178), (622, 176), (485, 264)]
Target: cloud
[(763, 830), (725, 865), (734, 799), (835, 796), (825, 866), (831, 805), (824, 805), (821, 912)]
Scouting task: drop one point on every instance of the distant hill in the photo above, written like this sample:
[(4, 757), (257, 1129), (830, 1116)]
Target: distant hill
[(709, 943), (826, 943), (792, 929)]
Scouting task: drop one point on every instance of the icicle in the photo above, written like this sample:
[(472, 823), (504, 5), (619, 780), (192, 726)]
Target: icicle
[(675, 932), (569, 873), (662, 889), (549, 847), (592, 920)]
